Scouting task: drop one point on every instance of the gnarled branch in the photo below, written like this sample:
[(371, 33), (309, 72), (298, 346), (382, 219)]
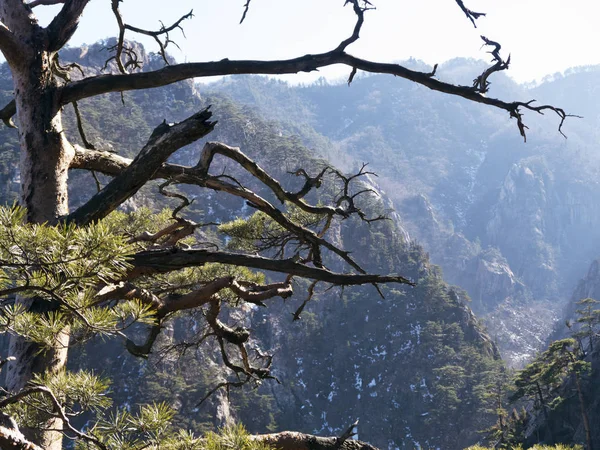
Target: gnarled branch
[(471, 15), (13, 439), (35, 3), (162, 261), (105, 163), (64, 25), (289, 440), (58, 411), (10, 49), (89, 87), (164, 141)]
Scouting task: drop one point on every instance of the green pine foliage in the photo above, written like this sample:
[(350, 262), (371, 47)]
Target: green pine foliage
[(415, 363)]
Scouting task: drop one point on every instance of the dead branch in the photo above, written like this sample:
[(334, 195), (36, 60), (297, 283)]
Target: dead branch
[(235, 154), (227, 385), (35, 3), (162, 31), (167, 260), (360, 15), (164, 141), (311, 292), (156, 35), (471, 15), (93, 86), (82, 134), (185, 202), (63, 26), (289, 440), (246, 8), (111, 165), (143, 350), (481, 83), (121, 37)]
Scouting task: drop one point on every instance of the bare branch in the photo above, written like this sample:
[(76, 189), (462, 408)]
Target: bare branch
[(35, 3), (199, 176), (246, 8), (235, 154), (145, 349), (162, 31), (290, 440), (162, 261), (471, 15), (10, 49), (164, 141), (185, 202), (311, 292), (64, 25), (92, 86), (360, 14), (226, 385), (82, 134), (481, 83)]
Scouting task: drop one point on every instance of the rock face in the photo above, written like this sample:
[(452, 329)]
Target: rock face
[(565, 419), (514, 225), (411, 366), (589, 287)]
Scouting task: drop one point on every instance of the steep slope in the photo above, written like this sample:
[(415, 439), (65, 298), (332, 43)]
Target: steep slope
[(565, 418), (411, 366), (513, 224)]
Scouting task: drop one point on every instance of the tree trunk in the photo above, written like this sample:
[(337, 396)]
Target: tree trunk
[(45, 158), (545, 410), (584, 415)]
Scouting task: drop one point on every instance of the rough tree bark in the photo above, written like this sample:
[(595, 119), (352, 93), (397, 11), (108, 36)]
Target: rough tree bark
[(289, 440), (45, 158)]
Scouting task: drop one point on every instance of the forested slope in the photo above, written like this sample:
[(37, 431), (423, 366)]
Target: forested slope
[(412, 366), (513, 223)]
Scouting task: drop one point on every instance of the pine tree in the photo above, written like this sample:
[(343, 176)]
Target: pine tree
[(92, 271)]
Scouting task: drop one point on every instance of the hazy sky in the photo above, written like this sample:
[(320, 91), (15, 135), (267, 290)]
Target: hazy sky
[(543, 36)]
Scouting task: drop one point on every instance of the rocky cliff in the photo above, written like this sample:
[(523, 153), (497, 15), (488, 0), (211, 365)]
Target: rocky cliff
[(411, 365), (514, 224)]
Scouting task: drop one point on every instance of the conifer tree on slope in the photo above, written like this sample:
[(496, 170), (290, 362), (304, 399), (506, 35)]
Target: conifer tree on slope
[(58, 295)]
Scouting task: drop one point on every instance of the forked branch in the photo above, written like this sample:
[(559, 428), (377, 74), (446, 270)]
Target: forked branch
[(164, 141), (345, 206), (92, 86), (156, 35), (162, 261), (63, 26), (57, 411), (471, 15)]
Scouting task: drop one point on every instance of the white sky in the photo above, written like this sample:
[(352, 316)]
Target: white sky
[(543, 36)]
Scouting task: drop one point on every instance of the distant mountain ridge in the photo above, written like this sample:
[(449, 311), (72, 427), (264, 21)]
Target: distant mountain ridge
[(412, 366), (514, 224)]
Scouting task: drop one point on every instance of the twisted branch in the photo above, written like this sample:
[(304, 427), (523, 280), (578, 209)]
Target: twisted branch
[(471, 15)]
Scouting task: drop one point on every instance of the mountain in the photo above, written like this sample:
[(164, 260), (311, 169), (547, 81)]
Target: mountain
[(412, 365), (565, 418), (512, 223)]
